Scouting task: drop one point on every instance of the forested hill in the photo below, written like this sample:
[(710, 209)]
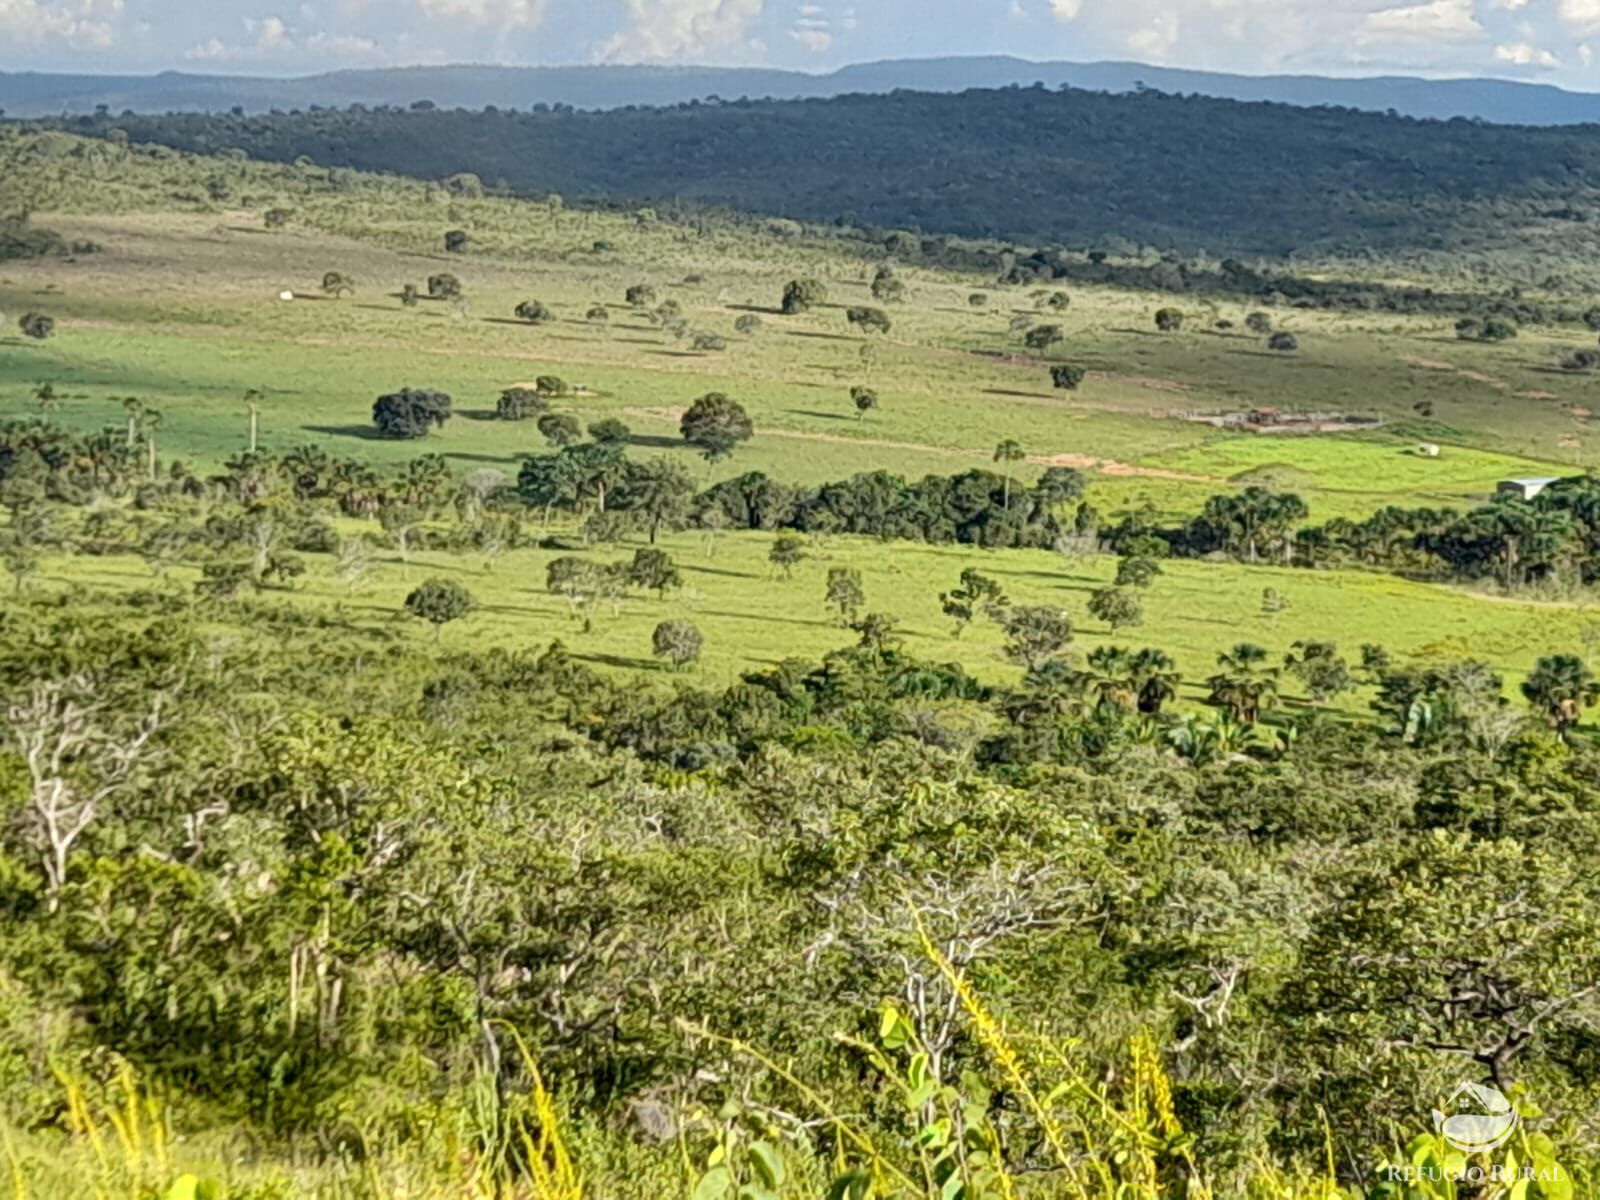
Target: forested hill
[(607, 85), (1081, 168)]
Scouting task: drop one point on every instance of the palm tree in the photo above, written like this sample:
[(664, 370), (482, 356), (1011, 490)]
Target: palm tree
[(252, 401), (307, 467), (1155, 677), (152, 422), (1008, 451), (1560, 687), (1245, 684), (135, 409), (1112, 682)]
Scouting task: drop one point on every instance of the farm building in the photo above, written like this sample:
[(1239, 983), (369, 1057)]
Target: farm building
[(1525, 489)]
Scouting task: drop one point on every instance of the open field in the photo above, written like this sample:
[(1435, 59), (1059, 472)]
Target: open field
[(182, 310), (752, 617)]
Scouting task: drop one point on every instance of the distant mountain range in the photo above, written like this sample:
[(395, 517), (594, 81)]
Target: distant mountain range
[(607, 87)]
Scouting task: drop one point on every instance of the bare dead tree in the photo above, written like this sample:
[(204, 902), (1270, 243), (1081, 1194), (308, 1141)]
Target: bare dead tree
[(78, 754)]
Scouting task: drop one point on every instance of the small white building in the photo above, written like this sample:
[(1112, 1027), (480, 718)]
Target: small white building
[(1524, 489), (1429, 449)]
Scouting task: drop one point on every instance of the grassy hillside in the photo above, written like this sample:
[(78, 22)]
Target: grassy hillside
[(1087, 169)]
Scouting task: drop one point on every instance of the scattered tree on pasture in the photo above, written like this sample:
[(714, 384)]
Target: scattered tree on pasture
[(654, 570), (440, 601), (444, 286), (887, 287), (801, 295), (610, 432), (679, 642), (559, 429), (36, 325), (410, 412), (845, 593), (520, 404), (788, 551), (1117, 607), (868, 320), (1138, 570), (715, 424), (877, 632), (975, 592), (1066, 376), (1042, 337)]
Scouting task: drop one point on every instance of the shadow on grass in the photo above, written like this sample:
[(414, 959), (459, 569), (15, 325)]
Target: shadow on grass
[(723, 571), (822, 337), (756, 308), (821, 416), (748, 616), (1015, 392), (678, 353), (651, 441), (618, 660), (366, 433)]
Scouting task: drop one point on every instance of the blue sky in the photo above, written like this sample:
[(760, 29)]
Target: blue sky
[(1555, 40)]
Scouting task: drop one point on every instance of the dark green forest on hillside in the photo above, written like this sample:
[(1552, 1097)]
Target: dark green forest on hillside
[(1081, 168)]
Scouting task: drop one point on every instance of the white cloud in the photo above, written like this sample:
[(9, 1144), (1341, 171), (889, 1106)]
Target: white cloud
[(1066, 10), (1582, 16), (812, 29), (271, 37), (1155, 40), (496, 14), (1438, 19), (684, 29), (1509, 5), (90, 24), (1585, 54), (1525, 54)]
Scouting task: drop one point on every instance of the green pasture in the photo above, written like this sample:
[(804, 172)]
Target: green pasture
[(184, 312), (751, 616)]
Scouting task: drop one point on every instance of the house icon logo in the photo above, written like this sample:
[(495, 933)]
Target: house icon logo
[(1476, 1118)]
